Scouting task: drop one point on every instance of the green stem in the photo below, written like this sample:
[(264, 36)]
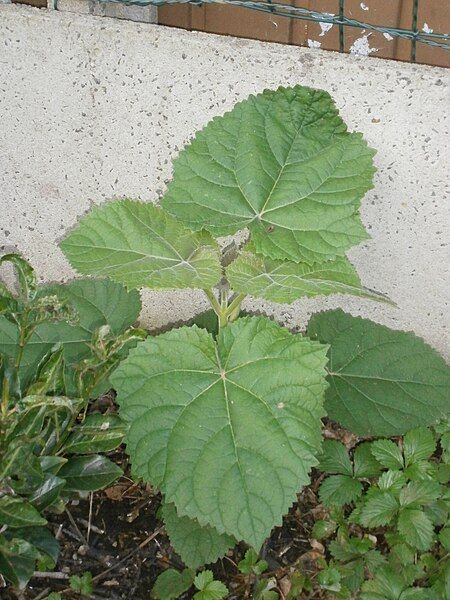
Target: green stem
[(213, 301), (217, 307), (223, 300), (24, 335), (5, 397), (223, 320), (225, 312), (233, 308)]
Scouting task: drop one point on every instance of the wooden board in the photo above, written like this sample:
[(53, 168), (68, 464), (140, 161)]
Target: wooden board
[(247, 23)]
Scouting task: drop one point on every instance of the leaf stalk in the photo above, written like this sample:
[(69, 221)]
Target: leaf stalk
[(225, 312)]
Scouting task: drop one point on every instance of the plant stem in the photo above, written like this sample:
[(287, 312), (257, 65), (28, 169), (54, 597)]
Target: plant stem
[(5, 396), (234, 307), (223, 300), (24, 335), (213, 301), (225, 312), (223, 320), (219, 308)]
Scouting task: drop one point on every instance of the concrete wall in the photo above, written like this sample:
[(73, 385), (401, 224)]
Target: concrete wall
[(94, 108)]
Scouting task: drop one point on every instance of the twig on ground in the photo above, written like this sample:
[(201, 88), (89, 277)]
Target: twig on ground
[(130, 554), (50, 575), (43, 594), (59, 532), (91, 499), (93, 527), (75, 526), (105, 560), (124, 559)]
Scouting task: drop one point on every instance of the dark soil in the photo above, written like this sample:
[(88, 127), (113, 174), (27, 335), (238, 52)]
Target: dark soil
[(117, 536)]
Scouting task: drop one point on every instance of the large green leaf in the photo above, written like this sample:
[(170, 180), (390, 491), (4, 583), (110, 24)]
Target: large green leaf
[(383, 382), (97, 302), (283, 164), (138, 244), (286, 281), (228, 429), (195, 544)]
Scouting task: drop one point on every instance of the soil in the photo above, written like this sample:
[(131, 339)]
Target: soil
[(117, 536)]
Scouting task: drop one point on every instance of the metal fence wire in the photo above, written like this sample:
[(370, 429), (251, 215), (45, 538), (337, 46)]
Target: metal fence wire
[(438, 40)]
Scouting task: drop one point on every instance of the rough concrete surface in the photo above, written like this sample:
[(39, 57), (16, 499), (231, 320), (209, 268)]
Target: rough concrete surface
[(94, 108)]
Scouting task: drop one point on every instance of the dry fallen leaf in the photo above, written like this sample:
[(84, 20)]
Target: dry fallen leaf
[(316, 545), (285, 585), (116, 492)]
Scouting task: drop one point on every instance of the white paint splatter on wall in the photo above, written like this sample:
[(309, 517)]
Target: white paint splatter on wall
[(426, 28), (326, 26), (361, 46), (364, 6), (314, 43), (388, 36)]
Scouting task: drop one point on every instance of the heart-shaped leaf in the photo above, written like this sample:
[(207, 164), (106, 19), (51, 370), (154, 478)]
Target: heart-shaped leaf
[(195, 544), (138, 244), (283, 164), (285, 281), (383, 382), (229, 429)]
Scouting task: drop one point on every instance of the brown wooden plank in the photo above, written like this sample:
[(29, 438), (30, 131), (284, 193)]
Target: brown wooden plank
[(374, 12), (198, 17), (36, 3), (380, 12), (405, 22), (247, 23), (436, 15), (241, 22), (175, 15), (306, 33)]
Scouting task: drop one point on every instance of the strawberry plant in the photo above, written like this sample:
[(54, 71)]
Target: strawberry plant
[(226, 420), (58, 346), (389, 505)]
